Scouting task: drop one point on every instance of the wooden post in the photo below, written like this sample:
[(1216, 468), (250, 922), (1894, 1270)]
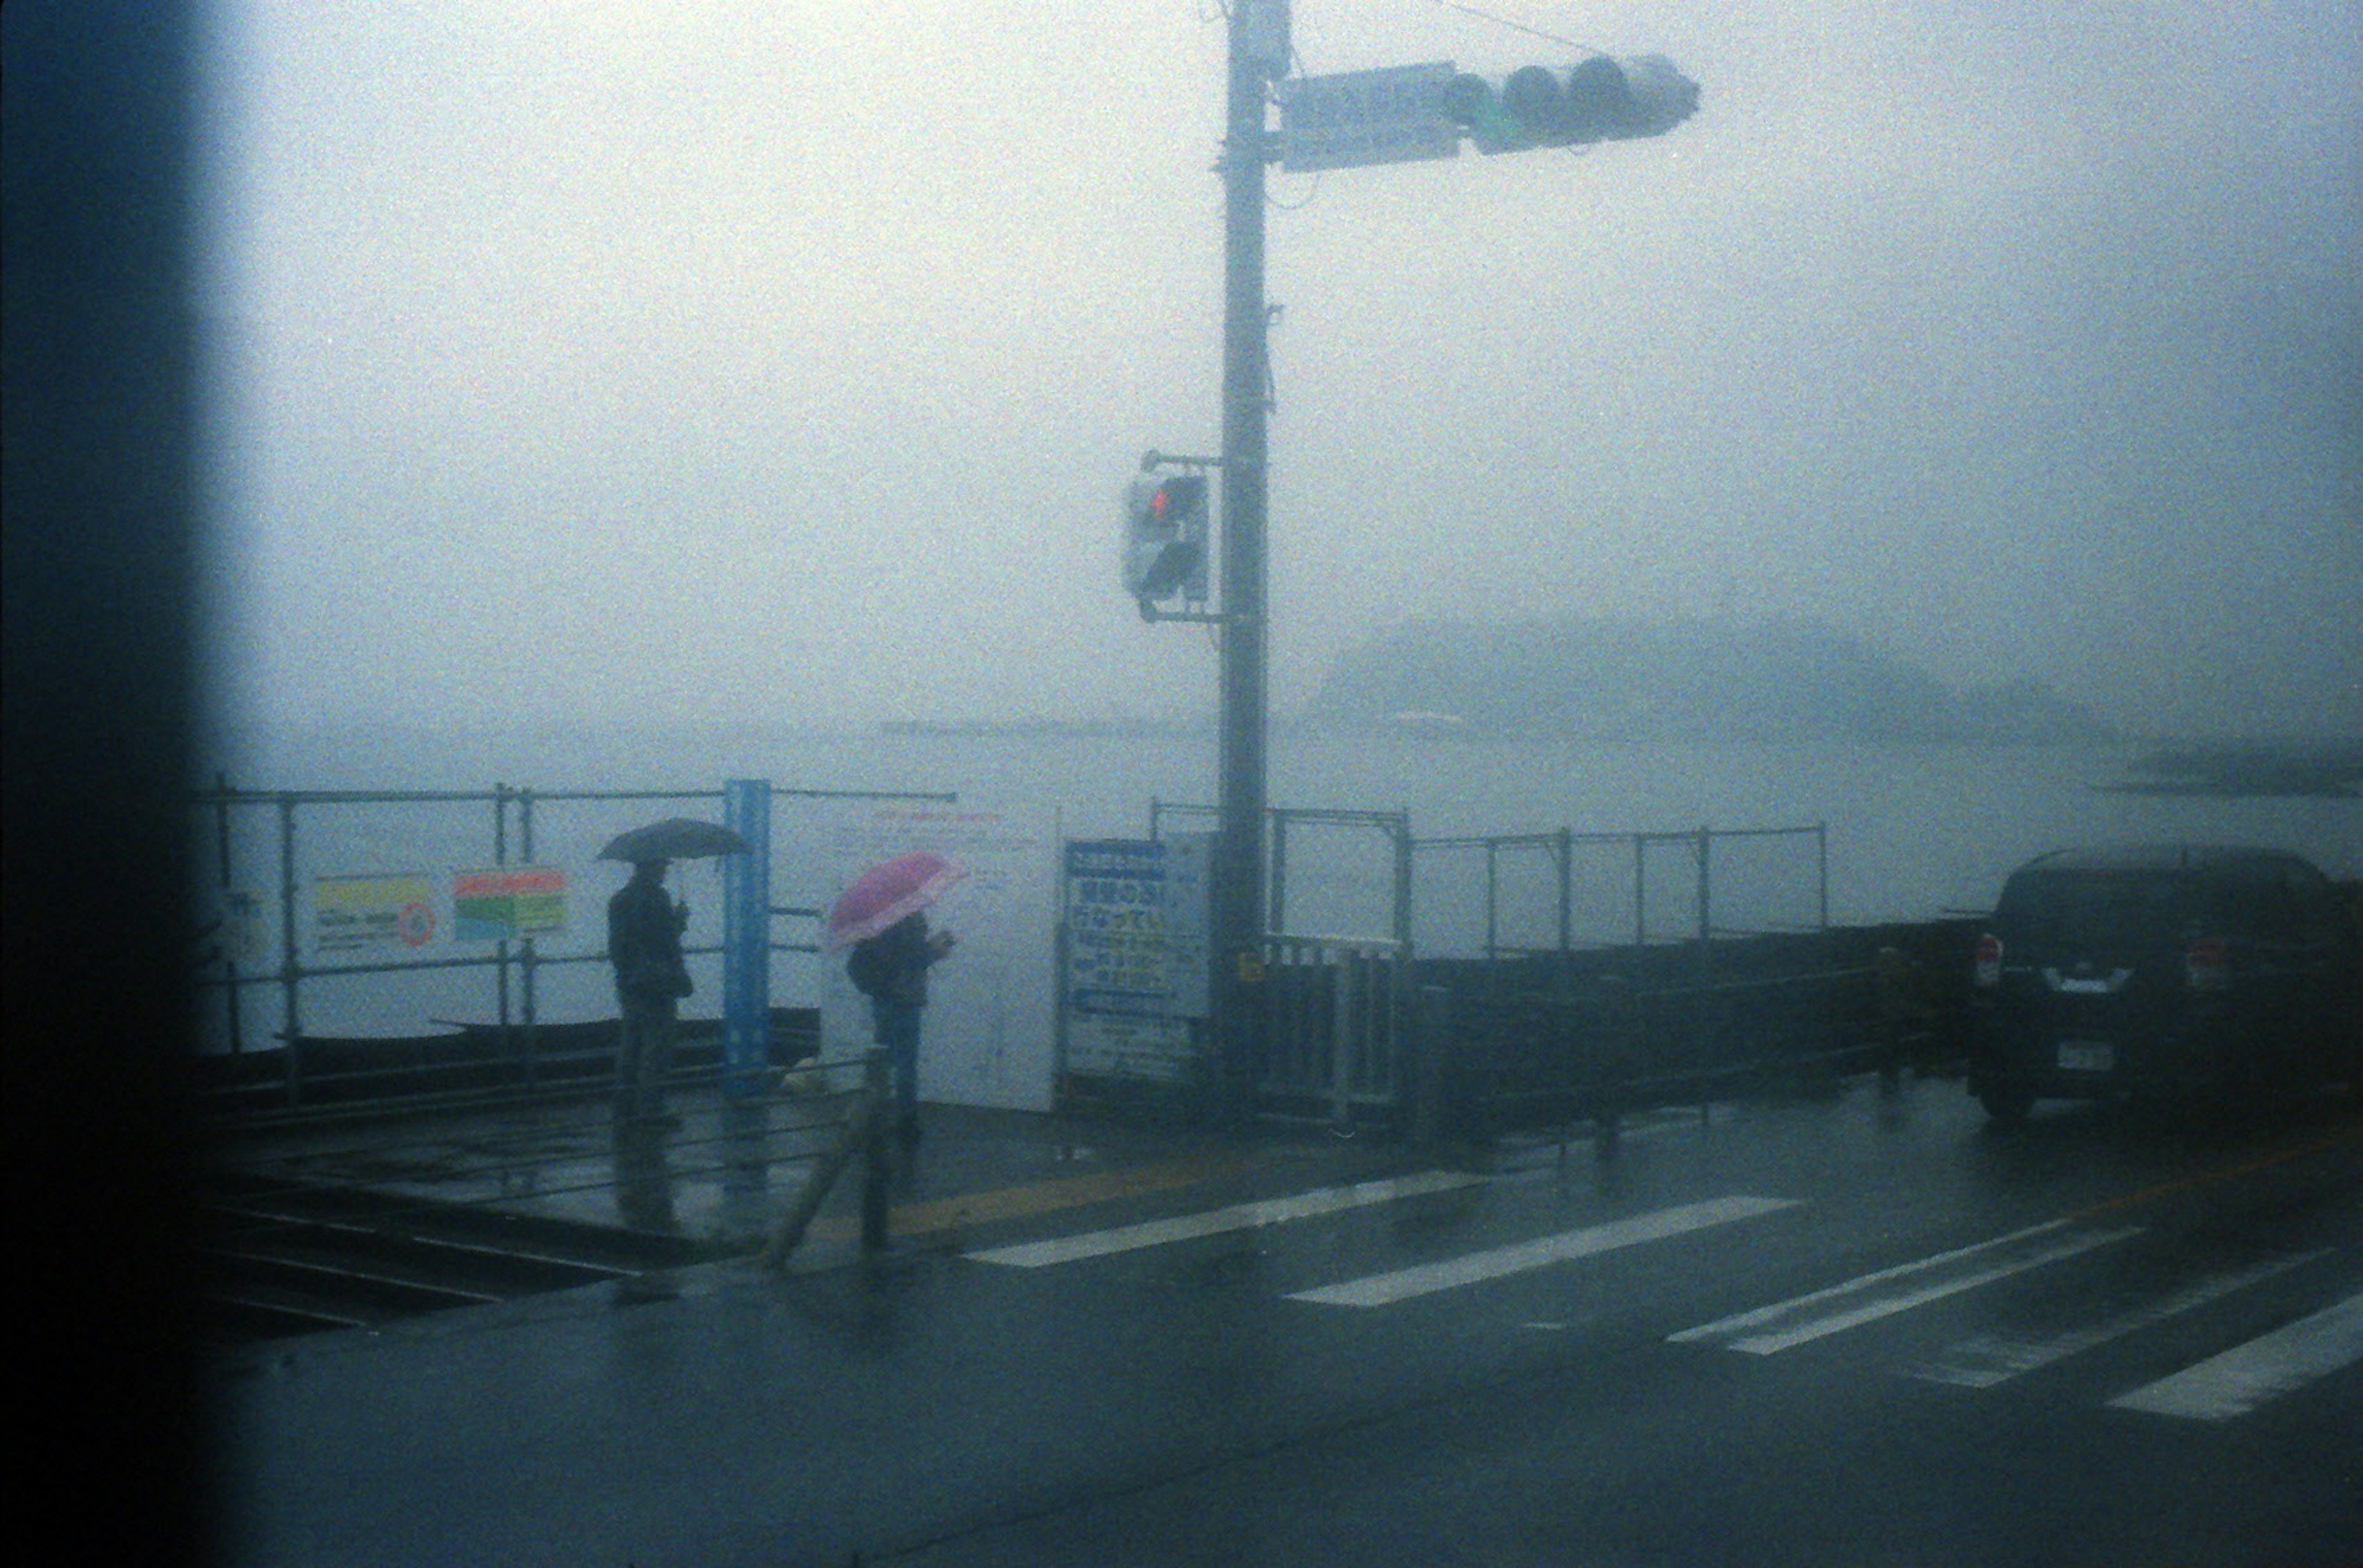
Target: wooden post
[(865, 1133)]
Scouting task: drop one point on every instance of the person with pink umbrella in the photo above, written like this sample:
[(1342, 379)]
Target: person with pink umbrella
[(883, 917)]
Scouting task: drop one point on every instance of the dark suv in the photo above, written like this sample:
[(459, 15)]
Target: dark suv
[(2185, 969)]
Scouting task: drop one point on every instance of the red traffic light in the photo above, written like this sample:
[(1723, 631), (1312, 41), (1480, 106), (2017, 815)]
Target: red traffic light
[(1165, 538)]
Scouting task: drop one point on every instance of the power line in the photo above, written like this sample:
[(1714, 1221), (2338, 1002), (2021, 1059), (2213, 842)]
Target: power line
[(1516, 26)]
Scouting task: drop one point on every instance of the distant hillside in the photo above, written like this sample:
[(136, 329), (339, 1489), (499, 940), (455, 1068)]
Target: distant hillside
[(1682, 679)]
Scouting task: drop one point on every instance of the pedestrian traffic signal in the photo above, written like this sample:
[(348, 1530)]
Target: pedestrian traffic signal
[(1165, 538), (1599, 100)]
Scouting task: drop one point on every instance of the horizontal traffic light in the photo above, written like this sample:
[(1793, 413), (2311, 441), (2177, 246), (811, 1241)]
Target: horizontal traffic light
[(1601, 99)]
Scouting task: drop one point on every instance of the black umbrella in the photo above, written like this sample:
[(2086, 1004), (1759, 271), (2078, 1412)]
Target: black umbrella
[(674, 839)]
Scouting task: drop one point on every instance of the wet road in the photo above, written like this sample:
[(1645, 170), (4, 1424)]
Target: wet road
[(1846, 1329)]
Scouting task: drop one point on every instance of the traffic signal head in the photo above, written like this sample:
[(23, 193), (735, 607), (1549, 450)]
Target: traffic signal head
[(1599, 100), (1165, 538)]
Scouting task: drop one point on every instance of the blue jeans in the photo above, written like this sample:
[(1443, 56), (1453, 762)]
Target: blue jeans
[(898, 1031)]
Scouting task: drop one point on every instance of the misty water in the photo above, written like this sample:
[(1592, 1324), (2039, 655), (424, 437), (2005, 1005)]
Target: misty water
[(1912, 831)]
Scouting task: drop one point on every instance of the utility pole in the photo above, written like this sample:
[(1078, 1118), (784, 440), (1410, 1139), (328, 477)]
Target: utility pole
[(1258, 48), (1394, 113)]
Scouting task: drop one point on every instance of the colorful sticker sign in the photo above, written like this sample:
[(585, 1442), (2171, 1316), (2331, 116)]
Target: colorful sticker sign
[(359, 914), (507, 904)]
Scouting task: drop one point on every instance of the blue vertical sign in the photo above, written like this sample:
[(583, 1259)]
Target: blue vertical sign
[(746, 935)]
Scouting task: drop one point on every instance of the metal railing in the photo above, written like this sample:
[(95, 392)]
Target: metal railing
[(1286, 826), (1584, 899), (1597, 889), (314, 1225), (1332, 1016), (1674, 908), (1587, 1036), (255, 951), (1642, 966)]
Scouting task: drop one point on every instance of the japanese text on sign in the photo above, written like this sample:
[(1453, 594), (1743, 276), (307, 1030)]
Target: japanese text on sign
[(1136, 928), (1396, 114)]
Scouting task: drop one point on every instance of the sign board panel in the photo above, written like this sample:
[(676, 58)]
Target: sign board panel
[(1137, 927), (1137, 948), (361, 914), (1263, 37), (1155, 1051), (1394, 115), (507, 904)]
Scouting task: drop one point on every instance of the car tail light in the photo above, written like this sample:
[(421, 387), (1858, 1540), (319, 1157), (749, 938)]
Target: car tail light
[(1988, 968), (2208, 964)]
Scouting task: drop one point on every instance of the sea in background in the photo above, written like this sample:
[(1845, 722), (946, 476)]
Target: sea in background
[(1913, 831)]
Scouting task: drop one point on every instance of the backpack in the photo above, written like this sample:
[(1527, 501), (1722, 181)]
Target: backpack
[(868, 968)]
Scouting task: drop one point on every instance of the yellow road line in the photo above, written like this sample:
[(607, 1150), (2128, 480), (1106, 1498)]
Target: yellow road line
[(1049, 1197), (2266, 1162)]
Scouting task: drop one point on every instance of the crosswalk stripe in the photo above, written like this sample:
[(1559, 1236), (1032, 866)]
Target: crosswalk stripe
[(2245, 1376), (1215, 1222), (1796, 1321), (1379, 1290), (1984, 1360)]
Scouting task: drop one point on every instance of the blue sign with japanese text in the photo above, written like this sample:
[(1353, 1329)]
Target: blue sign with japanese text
[(1136, 930)]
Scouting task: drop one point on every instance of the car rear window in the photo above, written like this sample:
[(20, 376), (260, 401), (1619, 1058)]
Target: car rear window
[(2086, 905), (2047, 908), (2274, 903)]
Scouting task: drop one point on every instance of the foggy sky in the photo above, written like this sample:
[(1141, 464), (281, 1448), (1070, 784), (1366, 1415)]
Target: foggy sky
[(783, 362)]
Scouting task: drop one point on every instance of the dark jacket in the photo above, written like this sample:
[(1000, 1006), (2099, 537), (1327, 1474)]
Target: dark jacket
[(900, 956), (644, 944)]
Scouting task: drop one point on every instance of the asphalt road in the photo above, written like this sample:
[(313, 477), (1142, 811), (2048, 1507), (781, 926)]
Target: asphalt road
[(1847, 1329)]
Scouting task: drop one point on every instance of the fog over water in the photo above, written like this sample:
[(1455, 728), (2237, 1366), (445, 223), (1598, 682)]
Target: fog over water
[(782, 364), (1913, 829)]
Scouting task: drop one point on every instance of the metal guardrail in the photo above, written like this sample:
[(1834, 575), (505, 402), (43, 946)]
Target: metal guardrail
[(1333, 1022), (1338, 1031), (1645, 898), (1609, 1033), (476, 1067), (303, 1214), (508, 838)]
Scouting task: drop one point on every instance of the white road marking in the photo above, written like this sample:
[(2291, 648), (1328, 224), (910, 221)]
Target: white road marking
[(2246, 1375), (1539, 1155), (1984, 1360), (1215, 1222), (1803, 1318), (1400, 1285)]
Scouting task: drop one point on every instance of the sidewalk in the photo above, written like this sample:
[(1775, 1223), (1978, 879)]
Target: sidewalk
[(721, 1172)]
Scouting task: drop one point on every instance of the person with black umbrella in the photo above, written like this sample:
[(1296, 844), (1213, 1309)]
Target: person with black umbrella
[(643, 928)]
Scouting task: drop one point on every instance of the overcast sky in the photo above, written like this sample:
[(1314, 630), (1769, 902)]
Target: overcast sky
[(748, 359)]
